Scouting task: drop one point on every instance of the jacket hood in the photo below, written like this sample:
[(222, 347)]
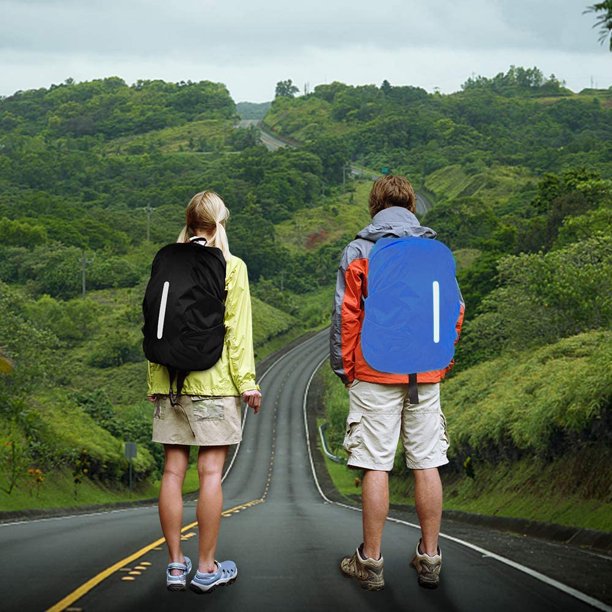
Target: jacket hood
[(394, 222)]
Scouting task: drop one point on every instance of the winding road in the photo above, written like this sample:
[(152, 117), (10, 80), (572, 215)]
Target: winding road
[(283, 534), (272, 143)]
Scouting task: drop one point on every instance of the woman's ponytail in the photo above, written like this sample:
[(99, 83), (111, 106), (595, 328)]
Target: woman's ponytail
[(207, 212), (220, 239), (184, 235)]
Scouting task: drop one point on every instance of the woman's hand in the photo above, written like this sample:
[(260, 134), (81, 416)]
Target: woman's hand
[(252, 399)]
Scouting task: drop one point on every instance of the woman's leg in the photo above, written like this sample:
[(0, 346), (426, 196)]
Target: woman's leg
[(171, 499), (210, 503)]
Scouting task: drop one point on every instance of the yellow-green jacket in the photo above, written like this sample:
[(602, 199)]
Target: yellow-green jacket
[(234, 373)]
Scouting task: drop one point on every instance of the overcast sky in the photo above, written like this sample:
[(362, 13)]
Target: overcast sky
[(252, 44)]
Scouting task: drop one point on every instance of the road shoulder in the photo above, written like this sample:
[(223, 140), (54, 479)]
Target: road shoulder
[(579, 558)]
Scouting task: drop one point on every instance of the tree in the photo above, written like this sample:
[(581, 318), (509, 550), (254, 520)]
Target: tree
[(604, 20), (541, 298), (286, 89)]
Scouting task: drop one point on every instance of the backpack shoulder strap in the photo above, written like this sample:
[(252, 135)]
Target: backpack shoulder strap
[(179, 376), (413, 389)]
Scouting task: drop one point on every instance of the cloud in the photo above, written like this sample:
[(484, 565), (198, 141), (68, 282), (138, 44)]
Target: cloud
[(228, 29), (252, 44)]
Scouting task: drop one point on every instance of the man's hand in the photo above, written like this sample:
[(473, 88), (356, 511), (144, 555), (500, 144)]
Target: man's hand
[(252, 399)]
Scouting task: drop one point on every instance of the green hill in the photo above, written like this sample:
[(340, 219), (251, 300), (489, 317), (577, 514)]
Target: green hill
[(519, 175), (94, 178), (252, 110)]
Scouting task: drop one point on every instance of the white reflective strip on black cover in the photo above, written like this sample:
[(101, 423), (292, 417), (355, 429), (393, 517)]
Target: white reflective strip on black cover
[(162, 310)]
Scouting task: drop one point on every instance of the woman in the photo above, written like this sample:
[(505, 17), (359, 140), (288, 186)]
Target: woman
[(208, 414)]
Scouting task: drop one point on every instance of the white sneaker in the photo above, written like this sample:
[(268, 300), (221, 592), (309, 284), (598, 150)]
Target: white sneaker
[(178, 583)]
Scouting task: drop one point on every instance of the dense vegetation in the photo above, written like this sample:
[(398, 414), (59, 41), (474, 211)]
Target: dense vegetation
[(94, 178), (519, 172), (252, 110)]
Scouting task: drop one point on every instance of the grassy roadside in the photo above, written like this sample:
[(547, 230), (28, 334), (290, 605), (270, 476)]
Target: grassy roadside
[(60, 492), (564, 490), (57, 488), (66, 447), (501, 491)]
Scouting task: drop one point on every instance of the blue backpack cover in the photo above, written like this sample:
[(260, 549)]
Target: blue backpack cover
[(412, 306)]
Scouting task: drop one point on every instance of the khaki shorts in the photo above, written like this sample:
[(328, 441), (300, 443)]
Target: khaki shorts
[(379, 413), (198, 420)]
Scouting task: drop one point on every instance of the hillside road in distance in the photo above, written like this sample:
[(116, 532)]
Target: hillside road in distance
[(272, 143)]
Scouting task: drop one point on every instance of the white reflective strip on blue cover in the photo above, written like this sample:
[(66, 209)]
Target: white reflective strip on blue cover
[(436, 311)]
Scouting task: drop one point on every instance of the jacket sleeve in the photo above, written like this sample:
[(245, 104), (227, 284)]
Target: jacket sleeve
[(458, 325), (346, 316), (239, 329)]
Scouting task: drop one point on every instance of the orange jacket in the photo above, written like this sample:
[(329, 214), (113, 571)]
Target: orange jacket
[(346, 356)]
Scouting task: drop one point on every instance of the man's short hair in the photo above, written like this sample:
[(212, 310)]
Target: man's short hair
[(392, 191)]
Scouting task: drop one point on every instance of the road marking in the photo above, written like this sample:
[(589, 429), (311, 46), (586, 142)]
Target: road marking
[(595, 603), (154, 505), (312, 467), (121, 565), (78, 515), (263, 376)]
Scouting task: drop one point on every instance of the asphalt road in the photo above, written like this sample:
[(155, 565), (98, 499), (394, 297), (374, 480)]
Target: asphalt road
[(285, 538)]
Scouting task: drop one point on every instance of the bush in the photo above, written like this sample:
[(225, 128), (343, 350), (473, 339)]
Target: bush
[(538, 402), (71, 321), (542, 298), (115, 350)]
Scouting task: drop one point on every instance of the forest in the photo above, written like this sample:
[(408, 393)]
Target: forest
[(518, 170), (94, 178)]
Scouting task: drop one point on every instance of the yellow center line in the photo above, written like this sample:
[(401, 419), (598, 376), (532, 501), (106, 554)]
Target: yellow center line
[(103, 575)]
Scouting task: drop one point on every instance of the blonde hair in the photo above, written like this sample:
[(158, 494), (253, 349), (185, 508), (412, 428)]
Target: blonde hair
[(207, 213)]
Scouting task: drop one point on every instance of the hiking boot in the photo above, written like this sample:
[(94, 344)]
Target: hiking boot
[(368, 572), (427, 568)]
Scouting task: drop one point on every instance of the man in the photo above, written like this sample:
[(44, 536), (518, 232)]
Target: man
[(379, 404)]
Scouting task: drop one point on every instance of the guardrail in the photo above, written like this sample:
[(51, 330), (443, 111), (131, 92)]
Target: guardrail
[(266, 129), (325, 446)]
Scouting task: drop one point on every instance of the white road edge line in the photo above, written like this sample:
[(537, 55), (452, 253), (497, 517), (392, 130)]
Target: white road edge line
[(229, 467), (246, 410), (595, 603)]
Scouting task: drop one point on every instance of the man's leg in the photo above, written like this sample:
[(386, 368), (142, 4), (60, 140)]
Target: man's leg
[(373, 429), (428, 500), (210, 503), (375, 501), (171, 499), (366, 563)]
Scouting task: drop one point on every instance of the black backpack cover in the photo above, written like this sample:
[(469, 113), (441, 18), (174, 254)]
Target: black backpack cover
[(184, 310)]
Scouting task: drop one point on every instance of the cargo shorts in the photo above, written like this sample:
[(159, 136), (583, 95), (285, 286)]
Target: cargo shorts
[(198, 420), (378, 414)]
